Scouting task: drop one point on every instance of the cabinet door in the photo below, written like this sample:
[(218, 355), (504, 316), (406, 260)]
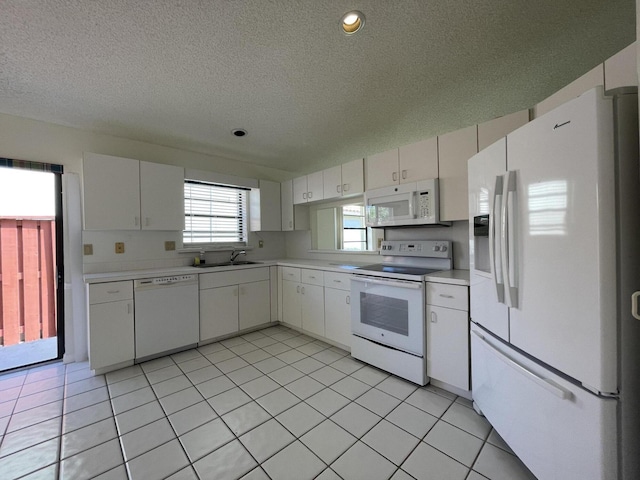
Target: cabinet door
[(454, 151), (493, 130), (448, 346), (286, 205), (332, 182), (111, 192), (353, 177), (419, 161), (621, 70), (111, 334), (161, 196), (291, 312), (264, 205), (337, 315), (312, 300), (315, 188), (218, 312), (381, 169), (300, 190), (255, 304)]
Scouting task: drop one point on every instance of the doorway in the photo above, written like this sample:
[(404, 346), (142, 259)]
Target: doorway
[(31, 273)]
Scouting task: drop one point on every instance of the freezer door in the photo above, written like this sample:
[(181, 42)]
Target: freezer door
[(560, 431), (560, 235), (486, 171)]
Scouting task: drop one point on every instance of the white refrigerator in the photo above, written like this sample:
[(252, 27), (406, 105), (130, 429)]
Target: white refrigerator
[(555, 267)]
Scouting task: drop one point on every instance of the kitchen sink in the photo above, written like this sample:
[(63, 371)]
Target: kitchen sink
[(226, 264)]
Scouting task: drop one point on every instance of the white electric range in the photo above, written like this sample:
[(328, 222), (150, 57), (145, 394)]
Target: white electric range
[(388, 306)]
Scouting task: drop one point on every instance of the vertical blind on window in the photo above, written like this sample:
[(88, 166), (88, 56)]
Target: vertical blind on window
[(214, 213)]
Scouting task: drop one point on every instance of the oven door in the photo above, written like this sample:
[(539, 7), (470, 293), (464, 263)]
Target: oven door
[(390, 312)]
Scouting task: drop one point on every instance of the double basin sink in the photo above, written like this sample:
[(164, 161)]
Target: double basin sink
[(227, 264)]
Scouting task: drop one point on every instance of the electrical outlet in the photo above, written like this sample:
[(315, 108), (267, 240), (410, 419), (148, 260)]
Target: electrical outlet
[(119, 247), (260, 243), (88, 249), (168, 246)]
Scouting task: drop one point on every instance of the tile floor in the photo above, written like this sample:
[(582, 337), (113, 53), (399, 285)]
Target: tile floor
[(271, 404)]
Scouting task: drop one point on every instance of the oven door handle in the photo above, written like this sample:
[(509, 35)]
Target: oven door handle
[(388, 283)]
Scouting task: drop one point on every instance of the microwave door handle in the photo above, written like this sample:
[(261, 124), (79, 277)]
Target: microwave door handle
[(509, 209)]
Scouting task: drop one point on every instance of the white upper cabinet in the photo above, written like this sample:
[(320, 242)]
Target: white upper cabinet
[(409, 163), (286, 205), (493, 130), (111, 192), (265, 203), (161, 196), (381, 169), (343, 180), (332, 182), (418, 161), (621, 70), (125, 194), (454, 151), (308, 188)]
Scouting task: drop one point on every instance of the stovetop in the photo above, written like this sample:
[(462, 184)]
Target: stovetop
[(410, 260)]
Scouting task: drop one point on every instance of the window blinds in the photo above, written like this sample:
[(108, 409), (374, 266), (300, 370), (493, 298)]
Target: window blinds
[(214, 213)]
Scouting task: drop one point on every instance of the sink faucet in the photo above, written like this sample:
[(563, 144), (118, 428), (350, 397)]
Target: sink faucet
[(235, 254)]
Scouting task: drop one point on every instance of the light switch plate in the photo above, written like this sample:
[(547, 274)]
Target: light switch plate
[(168, 246), (260, 243), (119, 247), (88, 248)]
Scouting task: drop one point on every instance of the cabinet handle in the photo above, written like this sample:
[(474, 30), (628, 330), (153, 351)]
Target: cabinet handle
[(136, 221), (338, 188), (395, 176), (309, 195), (304, 195), (298, 289), (446, 296), (345, 187), (303, 290), (290, 223), (129, 308), (348, 299), (404, 174), (434, 317), (311, 276), (111, 292), (338, 281)]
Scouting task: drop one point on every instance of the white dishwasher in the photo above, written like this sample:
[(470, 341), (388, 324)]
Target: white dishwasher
[(166, 314)]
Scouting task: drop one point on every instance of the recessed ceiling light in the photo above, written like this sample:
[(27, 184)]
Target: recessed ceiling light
[(352, 22), (239, 132)]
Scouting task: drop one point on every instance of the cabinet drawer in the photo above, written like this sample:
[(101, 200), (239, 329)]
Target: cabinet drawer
[(233, 277), (445, 295), (110, 292), (341, 281), (312, 277), (291, 274)]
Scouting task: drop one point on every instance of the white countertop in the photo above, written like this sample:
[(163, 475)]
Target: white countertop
[(455, 277)]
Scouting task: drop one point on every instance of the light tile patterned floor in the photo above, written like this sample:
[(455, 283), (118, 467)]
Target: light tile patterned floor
[(270, 404)]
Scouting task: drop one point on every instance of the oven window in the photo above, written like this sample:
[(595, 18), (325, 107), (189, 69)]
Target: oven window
[(386, 313)]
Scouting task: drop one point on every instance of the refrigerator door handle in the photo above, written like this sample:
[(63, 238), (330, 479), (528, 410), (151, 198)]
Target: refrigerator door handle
[(548, 385), (634, 305), (509, 218), (494, 240)]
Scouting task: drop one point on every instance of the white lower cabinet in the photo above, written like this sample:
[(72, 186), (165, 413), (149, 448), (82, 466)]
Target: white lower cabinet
[(337, 308), (111, 331), (232, 301), (303, 299), (448, 334)]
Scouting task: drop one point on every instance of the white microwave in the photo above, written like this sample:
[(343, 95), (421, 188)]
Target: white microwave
[(407, 204)]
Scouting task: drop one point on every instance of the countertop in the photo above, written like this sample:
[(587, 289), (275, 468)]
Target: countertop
[(455, 277)]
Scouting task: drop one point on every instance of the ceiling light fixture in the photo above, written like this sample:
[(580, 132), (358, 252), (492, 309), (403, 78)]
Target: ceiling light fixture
[(239, 132), (352, 22)]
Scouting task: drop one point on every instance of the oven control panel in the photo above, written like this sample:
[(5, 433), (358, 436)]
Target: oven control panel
[(419, 248)]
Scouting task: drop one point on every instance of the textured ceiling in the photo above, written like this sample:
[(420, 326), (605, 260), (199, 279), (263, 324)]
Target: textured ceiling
[(184, 73)]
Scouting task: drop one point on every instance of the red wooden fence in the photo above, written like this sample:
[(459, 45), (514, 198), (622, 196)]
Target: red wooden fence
[(27, 280)]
